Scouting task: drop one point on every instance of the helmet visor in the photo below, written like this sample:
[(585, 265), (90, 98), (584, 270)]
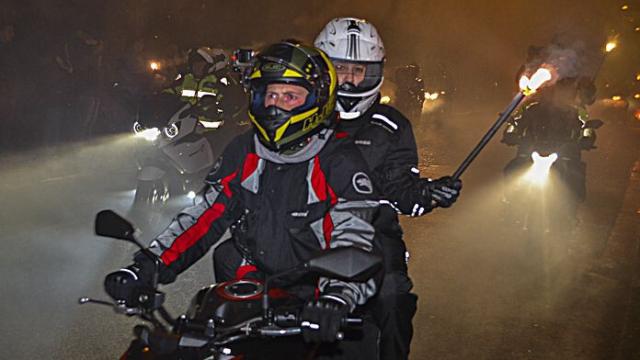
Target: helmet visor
[(358, 77), (288, 96)]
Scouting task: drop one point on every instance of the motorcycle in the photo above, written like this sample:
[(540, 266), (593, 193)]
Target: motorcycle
[(410, 101), (410, 93), (546, 181), (239, 319), (183, 149)]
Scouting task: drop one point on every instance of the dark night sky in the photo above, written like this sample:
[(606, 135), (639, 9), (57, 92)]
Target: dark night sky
[(480, 43)]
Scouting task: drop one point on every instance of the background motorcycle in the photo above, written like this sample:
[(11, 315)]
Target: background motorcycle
[(546, 182), (183, 149), (238, 319)]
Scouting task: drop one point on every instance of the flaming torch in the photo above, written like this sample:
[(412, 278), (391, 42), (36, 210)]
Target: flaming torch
[(528, 86), (611, 45)]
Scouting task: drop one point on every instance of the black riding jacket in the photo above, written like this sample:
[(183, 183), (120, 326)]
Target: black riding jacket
[(386, 141), (288, 211)]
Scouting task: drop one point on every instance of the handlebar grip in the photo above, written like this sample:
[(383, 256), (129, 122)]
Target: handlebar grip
[(352, 322)]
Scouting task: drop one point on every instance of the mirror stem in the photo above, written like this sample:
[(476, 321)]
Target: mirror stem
[(266, 311)]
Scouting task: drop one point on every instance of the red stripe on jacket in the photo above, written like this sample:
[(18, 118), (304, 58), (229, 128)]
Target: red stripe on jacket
[(250, 165), (319, 183), (188, 238), (226, 189), (324, 191)]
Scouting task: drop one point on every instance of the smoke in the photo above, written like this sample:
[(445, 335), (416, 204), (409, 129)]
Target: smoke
[(565, 61), (567, 56)]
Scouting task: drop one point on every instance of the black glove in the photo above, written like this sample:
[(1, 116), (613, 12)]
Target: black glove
[(443, 192), (128, 284), (321, 319)]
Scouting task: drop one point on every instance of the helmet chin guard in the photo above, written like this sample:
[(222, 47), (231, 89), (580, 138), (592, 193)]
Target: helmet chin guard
[(353, 105), (297, 65)]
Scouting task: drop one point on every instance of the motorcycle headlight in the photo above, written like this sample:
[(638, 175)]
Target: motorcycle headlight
[(137, 128), (147, 134), (431, 96), (171, 131), (539, 171)]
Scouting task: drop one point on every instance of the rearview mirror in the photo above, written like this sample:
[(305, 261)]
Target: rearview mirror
[(346, 263), (112, 225)]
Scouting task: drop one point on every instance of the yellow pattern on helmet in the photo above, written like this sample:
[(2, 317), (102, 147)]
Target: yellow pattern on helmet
[(293, 64)]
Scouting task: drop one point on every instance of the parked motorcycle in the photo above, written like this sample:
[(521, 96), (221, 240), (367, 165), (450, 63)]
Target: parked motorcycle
[(239, 319)]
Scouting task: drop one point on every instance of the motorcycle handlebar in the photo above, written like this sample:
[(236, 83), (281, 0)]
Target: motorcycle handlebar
[(283, 320), (289, 320)]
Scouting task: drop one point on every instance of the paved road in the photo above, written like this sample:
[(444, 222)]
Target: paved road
[(486, 294), (482, 294)]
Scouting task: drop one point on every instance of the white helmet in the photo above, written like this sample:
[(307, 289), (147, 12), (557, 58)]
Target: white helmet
[(216, 59), (354, 41)]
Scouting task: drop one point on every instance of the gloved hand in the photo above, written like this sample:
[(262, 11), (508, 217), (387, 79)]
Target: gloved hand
[(321, 319), (443, 192), (127, 284)]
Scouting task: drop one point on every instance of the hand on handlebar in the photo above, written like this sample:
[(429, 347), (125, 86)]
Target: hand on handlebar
[(128, 285), (321, 319)]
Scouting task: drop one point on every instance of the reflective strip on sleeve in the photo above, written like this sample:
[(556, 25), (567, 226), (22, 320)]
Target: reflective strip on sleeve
[(202, 93), (188, 93), (386, 120)]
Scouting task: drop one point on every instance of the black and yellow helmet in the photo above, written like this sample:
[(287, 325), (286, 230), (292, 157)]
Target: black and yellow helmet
[(296, 64)]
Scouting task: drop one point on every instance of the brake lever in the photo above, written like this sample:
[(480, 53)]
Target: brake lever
[(118, 307), (87, 300), (339, 334)]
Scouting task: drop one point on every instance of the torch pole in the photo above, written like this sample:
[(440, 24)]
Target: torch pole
[(489, 135)]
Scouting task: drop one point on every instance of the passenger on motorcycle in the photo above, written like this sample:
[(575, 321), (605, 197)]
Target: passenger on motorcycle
[(386, 141), (288, 190)]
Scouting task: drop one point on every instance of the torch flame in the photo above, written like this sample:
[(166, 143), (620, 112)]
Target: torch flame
[(529, 86), (610, 46), (154, 66), (524, 82)]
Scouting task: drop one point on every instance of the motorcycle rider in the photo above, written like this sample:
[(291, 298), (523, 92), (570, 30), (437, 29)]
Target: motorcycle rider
[(290, 188), (552, 118), (410, 91), (209, 86), (569, 52), (386, 141)]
